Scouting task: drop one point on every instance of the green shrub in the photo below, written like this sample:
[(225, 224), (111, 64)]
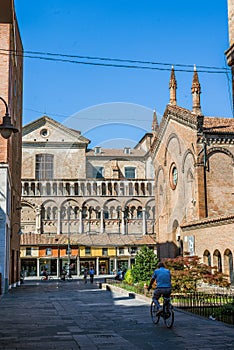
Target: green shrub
[(128, 277), (145, 263)]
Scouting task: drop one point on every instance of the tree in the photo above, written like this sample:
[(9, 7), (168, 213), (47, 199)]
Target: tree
[(145, 263), (188, 271)]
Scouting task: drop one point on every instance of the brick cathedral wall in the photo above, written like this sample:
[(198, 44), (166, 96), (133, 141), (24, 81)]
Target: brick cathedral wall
[(231, 21)]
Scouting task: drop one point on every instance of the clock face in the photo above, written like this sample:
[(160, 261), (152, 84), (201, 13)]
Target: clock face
[(173, 176)]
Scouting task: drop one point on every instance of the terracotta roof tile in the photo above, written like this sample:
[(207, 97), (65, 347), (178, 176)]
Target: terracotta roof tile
[(102, 239), (219, 125), (207, 221)]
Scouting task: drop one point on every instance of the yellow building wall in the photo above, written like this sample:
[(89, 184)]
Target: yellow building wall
[(95, 252), (35, 253)]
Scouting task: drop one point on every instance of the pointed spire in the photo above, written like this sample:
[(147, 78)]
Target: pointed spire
[(155, 126), (172, 87), (196, 91)]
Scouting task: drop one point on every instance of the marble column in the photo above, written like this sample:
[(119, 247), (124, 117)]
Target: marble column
[(80, 221), (38, 267), (97, 266), (78, 265), (123, 222), (143, 221), (59, 222), (101, 222), (38, 220)]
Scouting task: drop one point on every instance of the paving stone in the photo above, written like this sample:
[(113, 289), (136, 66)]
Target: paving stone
[(75, 316)]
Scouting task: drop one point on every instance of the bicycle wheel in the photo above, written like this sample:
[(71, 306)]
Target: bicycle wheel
[(51, 278), (153, 311), (168, 315), (43, 278)]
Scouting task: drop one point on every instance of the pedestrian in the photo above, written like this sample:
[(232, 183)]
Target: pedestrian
[(91, 274), (85, 275)]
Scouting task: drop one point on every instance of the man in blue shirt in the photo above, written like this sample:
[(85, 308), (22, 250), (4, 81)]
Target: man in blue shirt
[(162, 276), (91, 274)]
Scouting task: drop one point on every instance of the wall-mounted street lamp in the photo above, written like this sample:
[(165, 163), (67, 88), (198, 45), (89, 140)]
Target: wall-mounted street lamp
[(6, 128), (20, 232)]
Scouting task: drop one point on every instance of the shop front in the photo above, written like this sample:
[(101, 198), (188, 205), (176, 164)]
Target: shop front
[(67, 264), (49, 265), (87, 264), (103, 266), (29, 267)]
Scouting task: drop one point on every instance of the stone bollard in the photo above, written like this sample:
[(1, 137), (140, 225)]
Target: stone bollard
[(132, 295)]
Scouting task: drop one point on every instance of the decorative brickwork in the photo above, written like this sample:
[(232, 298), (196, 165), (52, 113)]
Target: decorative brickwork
[(11, 70), (195, 214)]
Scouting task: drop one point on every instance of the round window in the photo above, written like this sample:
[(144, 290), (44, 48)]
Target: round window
[(173, 176), (44, 132)]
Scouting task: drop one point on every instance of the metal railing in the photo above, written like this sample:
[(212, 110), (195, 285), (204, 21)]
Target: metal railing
[(215, 306), (218, 307)]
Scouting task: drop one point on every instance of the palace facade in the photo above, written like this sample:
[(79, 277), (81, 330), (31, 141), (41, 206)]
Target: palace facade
[(89, 207)]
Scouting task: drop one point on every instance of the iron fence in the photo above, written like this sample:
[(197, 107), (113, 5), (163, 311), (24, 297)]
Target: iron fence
[(218, 307), (215, 306)]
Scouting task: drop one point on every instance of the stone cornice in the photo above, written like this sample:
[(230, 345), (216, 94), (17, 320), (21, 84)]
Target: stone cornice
[(217, 139), (208, 222), (52, 145)]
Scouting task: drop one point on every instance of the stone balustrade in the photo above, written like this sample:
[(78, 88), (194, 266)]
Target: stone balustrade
[(88, 187)]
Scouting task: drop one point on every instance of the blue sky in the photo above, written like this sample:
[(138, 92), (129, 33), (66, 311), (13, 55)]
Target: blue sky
[(85, 96)]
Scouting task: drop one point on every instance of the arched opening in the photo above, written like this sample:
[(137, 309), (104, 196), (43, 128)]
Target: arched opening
[(207, 257), (54, 213), (139, 213), (228, 265), (174, 246), (217, 260)]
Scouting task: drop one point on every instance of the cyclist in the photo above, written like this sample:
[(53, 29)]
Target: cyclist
[(63, 273), (45, 274), (162, 276)]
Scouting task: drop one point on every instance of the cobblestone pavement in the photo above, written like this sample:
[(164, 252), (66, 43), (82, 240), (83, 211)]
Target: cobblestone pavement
[(74, 315)]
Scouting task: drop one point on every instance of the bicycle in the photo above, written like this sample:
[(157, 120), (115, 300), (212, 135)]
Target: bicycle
[(66, 277), (47, 278), (167, 312)]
